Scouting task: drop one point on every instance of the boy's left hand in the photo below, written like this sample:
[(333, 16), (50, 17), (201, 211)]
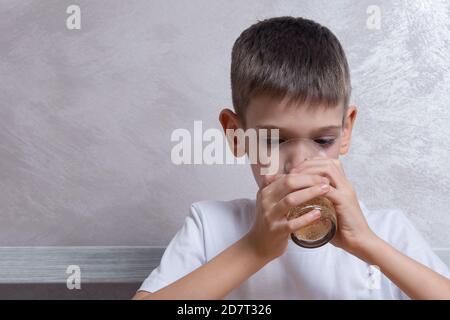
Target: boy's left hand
[(353, 232)]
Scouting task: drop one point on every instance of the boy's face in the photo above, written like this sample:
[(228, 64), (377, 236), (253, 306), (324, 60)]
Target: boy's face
[(318, 125)]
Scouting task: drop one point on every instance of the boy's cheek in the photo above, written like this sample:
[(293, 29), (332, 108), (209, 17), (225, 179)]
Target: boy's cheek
[(268, 179), (262, 180)]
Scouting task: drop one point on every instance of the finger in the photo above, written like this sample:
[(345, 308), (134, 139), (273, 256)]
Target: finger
[(338, 165), (289, 183), (303, 221), (317, 160), (327, 168), (268, 179), (334, 196), (296, 198)]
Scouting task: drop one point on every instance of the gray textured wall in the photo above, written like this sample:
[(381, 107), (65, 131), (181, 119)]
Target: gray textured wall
[(86, 115)]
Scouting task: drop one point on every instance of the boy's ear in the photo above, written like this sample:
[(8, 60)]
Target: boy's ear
[(230, 121), (349, 122)]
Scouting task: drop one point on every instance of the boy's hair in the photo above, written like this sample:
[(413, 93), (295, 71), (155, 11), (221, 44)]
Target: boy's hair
[(289, 57)]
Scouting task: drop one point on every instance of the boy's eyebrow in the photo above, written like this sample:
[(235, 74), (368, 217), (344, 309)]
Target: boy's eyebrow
[(313, 132), (326, 129)]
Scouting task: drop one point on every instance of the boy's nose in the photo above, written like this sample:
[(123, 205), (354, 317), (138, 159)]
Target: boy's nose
[(294, 153), (292, 165)]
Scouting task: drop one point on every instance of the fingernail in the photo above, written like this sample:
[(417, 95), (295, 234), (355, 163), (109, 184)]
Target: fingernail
[(325, 186), (325, 180), (315, 213)]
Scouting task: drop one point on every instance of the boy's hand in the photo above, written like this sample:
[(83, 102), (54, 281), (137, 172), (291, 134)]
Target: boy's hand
[(270, 232), (353, 232)]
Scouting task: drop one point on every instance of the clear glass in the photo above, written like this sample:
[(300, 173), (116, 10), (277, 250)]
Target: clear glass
[(291, 153), (320, 232)]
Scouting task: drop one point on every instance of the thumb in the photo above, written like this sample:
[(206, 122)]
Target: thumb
[(303, 221)]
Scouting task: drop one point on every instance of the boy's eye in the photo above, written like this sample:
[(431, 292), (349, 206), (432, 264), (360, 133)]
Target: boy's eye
[(324, 142)]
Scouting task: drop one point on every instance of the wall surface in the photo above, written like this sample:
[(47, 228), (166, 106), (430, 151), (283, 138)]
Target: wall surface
[(86, 115)]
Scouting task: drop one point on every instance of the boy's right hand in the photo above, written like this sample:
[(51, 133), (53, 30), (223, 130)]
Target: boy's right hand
[(271, 229)]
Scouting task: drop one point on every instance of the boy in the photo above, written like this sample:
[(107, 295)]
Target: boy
[(292, 74)]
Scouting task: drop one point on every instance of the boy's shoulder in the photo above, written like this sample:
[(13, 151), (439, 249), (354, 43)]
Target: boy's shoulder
[(394, 226), (217, 208), (383, 216), (223, 222), (219, 214)]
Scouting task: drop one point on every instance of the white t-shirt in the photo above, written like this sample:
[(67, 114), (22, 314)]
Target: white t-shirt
[(326, 272)]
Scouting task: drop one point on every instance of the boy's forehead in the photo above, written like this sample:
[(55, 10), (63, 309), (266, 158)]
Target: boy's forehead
[(266, 112)]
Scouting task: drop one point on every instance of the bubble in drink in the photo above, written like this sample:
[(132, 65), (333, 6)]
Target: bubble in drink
[(319, 232)]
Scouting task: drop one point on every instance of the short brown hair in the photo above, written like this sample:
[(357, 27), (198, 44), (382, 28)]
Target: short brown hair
[(289, 57)]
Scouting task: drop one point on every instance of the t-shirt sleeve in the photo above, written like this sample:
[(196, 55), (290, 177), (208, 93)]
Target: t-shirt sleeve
[(184, 254), (411, 243)]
